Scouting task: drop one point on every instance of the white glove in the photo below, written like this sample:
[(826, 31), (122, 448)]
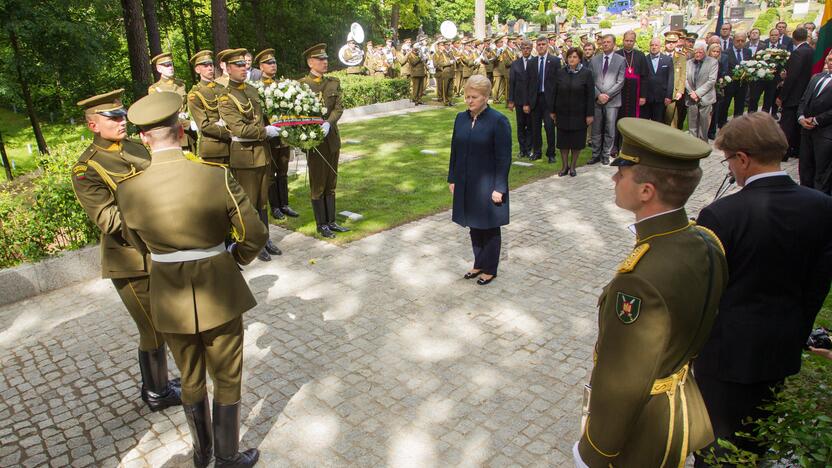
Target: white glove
[(231, 247), (325, 127), (194, 126), (221, 123), (183, 115), (271, 131)]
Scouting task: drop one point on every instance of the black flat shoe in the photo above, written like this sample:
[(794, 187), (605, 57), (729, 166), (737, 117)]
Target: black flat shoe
[(288, 211), (324, 231), (336, 228), (272, 248), (563, 172), (572, 173), (277, 214), (264, 256), (483, 281), (471, 274)]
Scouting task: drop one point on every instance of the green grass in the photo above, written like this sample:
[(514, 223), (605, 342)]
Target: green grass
[(17, 133), (393, 183)]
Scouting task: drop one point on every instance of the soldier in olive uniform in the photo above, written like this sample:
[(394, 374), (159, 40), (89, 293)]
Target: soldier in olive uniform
[(223, 79), (417, 73), (676, 111), (203, 106), (199, 294), (456, 51), (657, 312), (498, 89), (167, 82), (281, 153), (95, 176), (469, 61), (249, 155), (401, 58), (444, 62), (487, 60), (323, 160)]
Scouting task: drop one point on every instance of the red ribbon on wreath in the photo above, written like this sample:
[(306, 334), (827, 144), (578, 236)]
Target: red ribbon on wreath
[(293, 121)]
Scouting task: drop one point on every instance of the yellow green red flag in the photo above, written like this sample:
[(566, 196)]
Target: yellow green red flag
[(824, 38)]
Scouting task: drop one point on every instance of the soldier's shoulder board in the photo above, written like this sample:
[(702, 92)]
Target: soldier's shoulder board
[(629, 264), (713, 236), (87, 154)]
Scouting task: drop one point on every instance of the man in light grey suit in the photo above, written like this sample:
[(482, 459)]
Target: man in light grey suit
[(701, 88), (608, 70)]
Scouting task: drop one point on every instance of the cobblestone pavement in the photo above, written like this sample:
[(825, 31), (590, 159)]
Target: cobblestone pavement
[(373, 354)]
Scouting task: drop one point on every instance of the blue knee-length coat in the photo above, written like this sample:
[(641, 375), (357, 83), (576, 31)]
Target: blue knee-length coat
[(480, 161)]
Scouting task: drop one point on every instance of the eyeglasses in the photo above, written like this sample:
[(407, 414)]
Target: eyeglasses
[(725, 161), (166, 64)]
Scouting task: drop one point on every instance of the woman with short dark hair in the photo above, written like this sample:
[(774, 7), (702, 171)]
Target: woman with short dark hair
[(574, 108)]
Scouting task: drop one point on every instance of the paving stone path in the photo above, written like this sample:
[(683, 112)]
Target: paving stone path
[(373, 354)]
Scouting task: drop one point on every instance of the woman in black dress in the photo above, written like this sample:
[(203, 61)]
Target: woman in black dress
[(574, 108), (478, 176)]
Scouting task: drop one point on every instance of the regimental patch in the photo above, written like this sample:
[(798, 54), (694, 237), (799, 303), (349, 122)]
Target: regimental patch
[(627, 307)]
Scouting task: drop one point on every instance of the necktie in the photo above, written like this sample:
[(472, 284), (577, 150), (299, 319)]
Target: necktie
[(725, 44), (540, 70), (739, 55), (606, 66), (822, 84)]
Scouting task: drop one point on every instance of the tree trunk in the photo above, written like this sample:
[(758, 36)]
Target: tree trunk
[(5, 158), (219, 24), (136, 47), (194, 28), (27, 95), (394, 22), (152, 25), (259, 27)]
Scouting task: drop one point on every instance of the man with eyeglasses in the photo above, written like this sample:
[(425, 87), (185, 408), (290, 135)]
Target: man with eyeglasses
[(169, 83)]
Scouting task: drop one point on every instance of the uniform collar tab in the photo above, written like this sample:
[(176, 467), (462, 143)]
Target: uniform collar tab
[(662, 223)]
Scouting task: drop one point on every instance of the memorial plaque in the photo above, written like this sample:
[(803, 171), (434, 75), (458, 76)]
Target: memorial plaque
[(677, 22), (736, 13)]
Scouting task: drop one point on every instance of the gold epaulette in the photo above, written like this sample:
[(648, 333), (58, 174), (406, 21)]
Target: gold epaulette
[(110, 177), (713, 236), (87, 154), (629, 264)]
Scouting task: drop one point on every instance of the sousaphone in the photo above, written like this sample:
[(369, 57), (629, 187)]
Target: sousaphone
[(356, 34)]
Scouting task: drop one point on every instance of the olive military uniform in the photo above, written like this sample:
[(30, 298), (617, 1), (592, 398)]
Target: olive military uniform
[(499, 88), (417, 76), (322, 162), (444, 62), (174, 85), (676, 111), (203, 106), (94, 179), (174, 210), (654, 317)]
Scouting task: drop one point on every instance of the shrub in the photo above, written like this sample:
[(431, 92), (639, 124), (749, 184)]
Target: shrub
[(360, 90), (542, 19), (605, 24)]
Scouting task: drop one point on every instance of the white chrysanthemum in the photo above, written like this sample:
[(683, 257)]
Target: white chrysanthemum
[(303, 137), (761, 73), (269, 102), (298, 109), (312, 135), (323, 110), (284, 134)]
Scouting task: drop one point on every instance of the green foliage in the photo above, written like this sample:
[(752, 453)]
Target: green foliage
[(542, 19), (41, 216), (767, 20), (541, 7), (643, 38), (605, 24), (359, 90), (574, 9)]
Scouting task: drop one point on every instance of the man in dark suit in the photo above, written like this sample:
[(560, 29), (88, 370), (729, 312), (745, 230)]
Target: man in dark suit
[(785, 41), (798, 74), (658, 90), (517, 89), (766, 88), (778, 242), (735, 90), (540, 98), (725, 37), (814, 114)]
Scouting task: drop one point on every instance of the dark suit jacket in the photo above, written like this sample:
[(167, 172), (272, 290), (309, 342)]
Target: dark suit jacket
[(575, 98), (787, 43), (732, 57), (659, 85), (778, 242), (818, 106), (517, 82), (798, 74), (533, 84), (767, 45)]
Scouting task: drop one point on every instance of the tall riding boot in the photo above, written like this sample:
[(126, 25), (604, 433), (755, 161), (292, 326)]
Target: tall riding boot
[(199, 423), (282, 184), (157, 392), (330, 214), (319, 209), (227, 438)]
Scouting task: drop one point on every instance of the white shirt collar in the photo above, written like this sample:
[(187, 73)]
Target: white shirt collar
[(632, 227), (764, 175), (609, 56)]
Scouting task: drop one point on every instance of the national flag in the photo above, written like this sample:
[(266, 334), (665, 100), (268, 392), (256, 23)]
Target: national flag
[(824, 38)]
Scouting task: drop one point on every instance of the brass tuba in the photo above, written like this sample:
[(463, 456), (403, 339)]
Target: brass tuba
[(352, 56)]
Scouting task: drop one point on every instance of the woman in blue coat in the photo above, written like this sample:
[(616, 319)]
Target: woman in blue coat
[(478, 176)]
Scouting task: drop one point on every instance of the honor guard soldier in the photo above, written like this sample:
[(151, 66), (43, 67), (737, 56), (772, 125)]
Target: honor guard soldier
[(199, 294), (167, 82), (498, 89), (323, 161), (95, 176), (249, 153), (223, 79), (203, 106), (655, 315), (676, 111), (281, 153), (418, 73)]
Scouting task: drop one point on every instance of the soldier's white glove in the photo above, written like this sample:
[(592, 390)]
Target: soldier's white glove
[(194, 127), (221, 123), (325, 127), (576, 456), (183, 115), (231, 247), (271, 131)]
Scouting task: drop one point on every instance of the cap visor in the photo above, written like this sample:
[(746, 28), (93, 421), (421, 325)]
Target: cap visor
[(621, 162), (114, 113)]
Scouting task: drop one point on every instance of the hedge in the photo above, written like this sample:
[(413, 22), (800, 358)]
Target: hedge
[(361, 90)]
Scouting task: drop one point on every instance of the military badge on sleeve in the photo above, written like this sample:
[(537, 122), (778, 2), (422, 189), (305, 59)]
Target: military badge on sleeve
[(627, 307)]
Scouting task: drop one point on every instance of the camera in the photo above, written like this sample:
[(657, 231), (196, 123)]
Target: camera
[(819, 338)]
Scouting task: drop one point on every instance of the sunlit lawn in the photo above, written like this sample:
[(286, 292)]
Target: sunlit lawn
[(17, 133)]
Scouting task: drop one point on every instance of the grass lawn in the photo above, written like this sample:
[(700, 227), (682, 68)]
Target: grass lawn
[(393, 183), (17, 133)]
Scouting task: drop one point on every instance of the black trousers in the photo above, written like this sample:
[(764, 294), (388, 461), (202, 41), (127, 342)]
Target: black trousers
[(789, 125), (715, 114), (486, 244), (524, 130), (653, 111), (542, 116), (766, 89), (730, 403), (738, 93), (815, 165)]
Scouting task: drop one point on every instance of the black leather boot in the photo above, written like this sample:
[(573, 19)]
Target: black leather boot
[(157, 391), (227, 438), (319, 210), (199, 423), (264, 256), (330, 215), (274, 199), (283, 189)]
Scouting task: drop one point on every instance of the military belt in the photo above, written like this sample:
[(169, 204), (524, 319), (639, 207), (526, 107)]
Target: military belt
[(188, 255), (244, 140), (669, 383)]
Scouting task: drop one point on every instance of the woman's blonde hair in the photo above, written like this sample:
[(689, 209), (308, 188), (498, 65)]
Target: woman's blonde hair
[(712, 47), (480, 84)]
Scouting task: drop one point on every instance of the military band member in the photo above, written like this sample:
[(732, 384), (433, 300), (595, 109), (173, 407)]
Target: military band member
[(199, 294), (249, 152), (353, 52), (444, 62), (167, 82), (554, 50), (500, 72), (323, 160), (203, 106), (469, 61), (280, 152), (95, 177), (487, 60), (676, 111), (401, 58), (223, 78), (456, 52), (657, 312), (418, 72)]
